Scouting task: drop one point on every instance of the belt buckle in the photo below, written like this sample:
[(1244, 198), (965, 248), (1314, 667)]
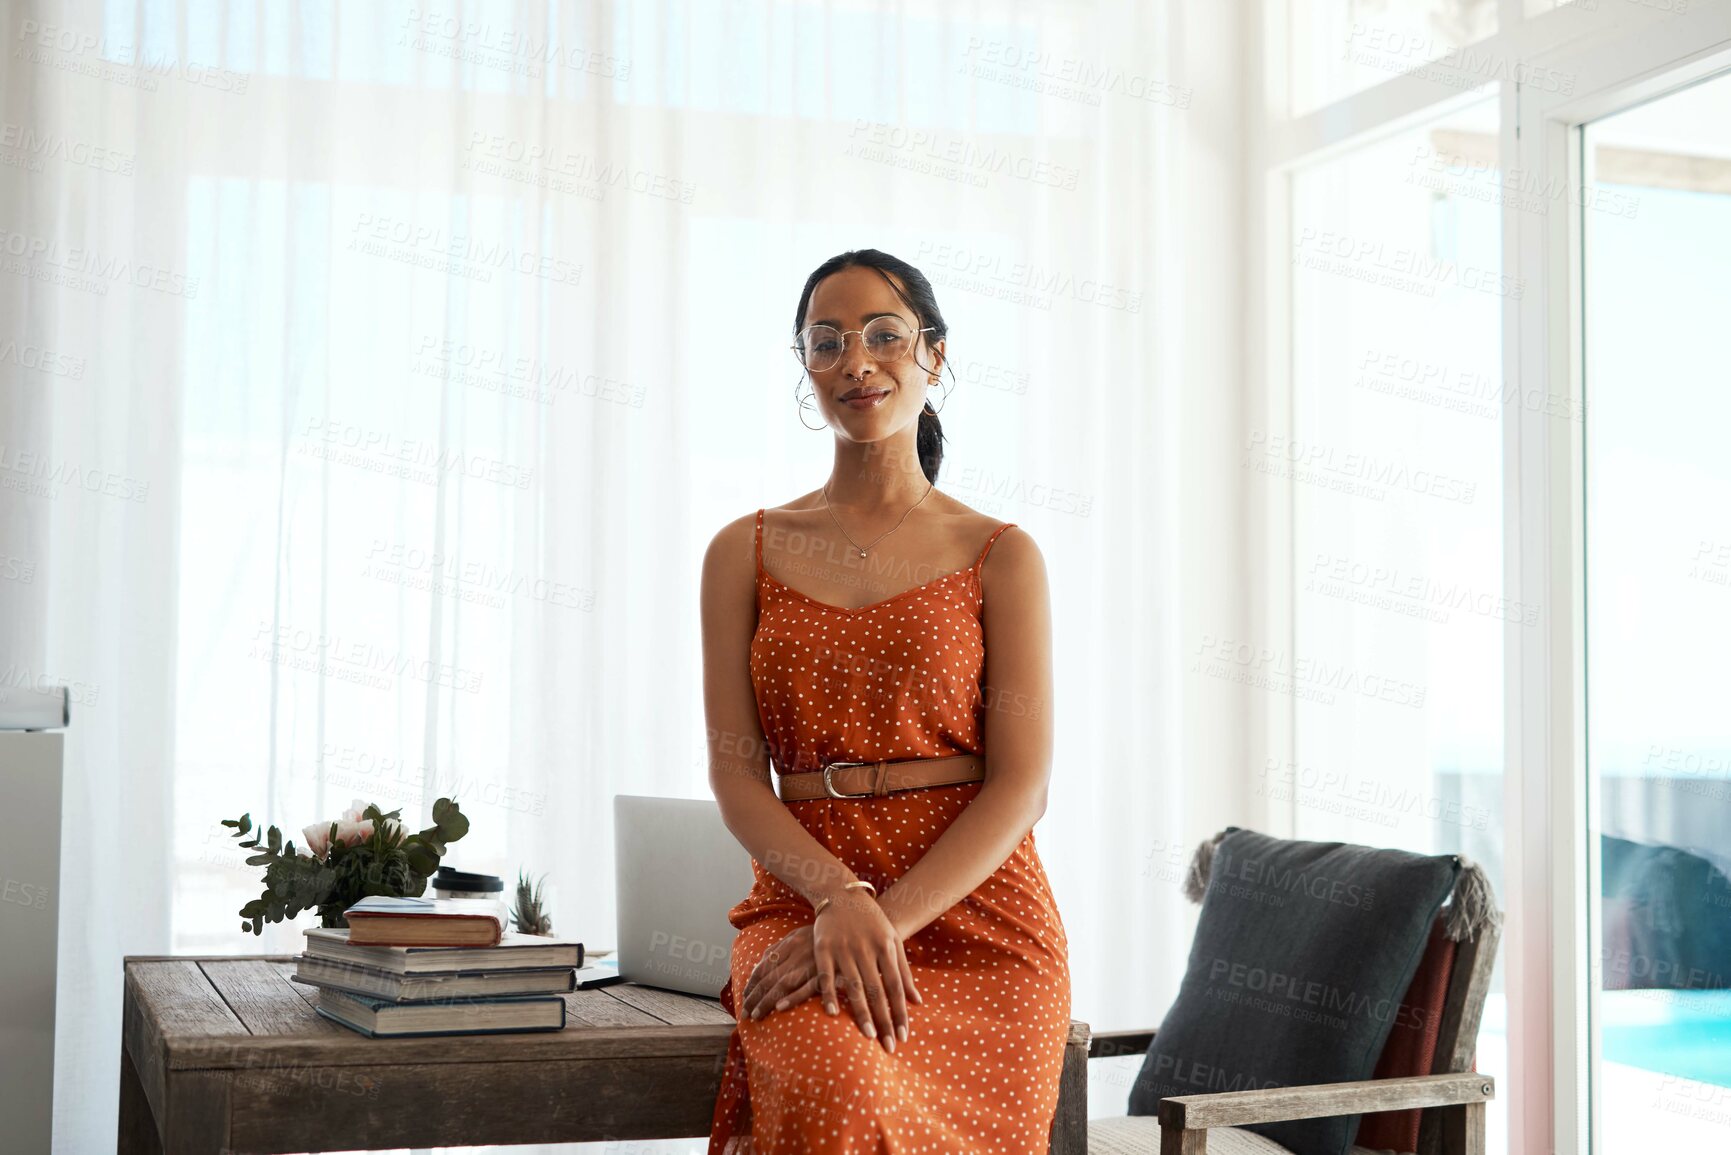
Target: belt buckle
[(829, 786)]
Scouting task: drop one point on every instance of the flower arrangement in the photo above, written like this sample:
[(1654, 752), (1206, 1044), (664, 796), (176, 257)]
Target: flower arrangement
[(365, 852)]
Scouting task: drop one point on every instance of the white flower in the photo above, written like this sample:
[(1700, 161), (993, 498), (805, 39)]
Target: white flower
[(318, 837), (349, 832), (392, 825), (352, 828)]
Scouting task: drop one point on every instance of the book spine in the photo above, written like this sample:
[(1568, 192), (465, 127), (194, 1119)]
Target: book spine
[(376, 929), (431, 1034), (388, 938)]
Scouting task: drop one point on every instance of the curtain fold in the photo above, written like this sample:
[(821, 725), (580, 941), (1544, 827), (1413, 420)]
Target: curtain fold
[(424, 352)]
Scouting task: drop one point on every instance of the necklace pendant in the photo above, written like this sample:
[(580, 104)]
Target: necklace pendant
[(862, 553)]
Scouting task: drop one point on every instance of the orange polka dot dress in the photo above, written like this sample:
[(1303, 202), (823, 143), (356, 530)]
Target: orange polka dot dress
[(899, 678)]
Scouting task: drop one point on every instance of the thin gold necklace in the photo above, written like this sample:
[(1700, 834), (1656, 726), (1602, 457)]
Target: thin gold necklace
[(862, 548)]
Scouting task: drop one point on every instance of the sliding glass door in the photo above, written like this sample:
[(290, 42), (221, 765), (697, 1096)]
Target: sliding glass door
[(1656, 370)]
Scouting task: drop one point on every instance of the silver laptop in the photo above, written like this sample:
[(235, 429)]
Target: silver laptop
[(679, 871)]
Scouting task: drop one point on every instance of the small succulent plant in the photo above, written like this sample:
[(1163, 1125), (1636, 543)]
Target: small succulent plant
[(528, 915)]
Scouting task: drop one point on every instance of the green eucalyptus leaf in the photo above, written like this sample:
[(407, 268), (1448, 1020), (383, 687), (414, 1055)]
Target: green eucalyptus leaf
[(422, 858), (450, 819)]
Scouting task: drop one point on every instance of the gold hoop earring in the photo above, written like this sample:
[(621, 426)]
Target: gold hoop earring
[(938, 408), (803, 407)]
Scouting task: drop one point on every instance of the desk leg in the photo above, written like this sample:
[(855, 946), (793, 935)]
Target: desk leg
[(137, 1125), (198, 1114)]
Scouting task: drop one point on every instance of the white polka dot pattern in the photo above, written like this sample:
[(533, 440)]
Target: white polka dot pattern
[(899, 678)]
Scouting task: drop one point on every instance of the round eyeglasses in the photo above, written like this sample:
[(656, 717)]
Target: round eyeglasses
[(885, 338)]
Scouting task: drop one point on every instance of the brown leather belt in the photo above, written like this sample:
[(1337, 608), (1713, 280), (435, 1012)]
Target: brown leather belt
[(875, 779)]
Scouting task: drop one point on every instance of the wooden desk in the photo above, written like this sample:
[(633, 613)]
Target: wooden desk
[(227, 1055)]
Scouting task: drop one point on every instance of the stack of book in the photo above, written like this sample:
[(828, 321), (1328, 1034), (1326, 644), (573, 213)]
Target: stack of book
[(420, 966)]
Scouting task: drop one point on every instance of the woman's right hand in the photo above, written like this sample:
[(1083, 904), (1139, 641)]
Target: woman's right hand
[(858, 950)]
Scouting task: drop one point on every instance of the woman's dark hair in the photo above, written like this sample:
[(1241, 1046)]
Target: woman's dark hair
[(918, 297)]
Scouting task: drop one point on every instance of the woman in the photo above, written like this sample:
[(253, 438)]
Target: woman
[(900, 977)]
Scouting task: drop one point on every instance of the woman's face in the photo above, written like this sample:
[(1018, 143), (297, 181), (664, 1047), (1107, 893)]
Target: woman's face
[(861, 397)]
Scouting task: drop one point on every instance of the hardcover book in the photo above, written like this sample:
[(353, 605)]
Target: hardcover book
[(513, 952), (377, 1018), (410, 988)]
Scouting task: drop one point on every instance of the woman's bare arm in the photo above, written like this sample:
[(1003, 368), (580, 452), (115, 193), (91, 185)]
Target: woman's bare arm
[(738, 757), (1017, 691)]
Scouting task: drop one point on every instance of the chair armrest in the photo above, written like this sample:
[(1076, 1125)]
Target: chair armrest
[(1107, 1044), (1279, 1104)]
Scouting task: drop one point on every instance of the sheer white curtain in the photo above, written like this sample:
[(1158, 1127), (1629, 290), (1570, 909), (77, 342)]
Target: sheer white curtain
[(419, 355)]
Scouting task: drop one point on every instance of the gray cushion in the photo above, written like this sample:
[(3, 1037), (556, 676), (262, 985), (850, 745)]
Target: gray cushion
[(1302, 954)]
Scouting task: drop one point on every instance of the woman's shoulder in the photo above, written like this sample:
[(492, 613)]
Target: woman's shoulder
[(743, 525), (978, 525), (996, 537), (733, 548)]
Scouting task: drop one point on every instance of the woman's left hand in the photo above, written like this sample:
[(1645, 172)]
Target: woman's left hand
[(786, 976), (787, 971)]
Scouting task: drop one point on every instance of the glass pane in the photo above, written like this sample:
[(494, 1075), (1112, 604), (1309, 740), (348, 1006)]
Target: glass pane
[(1339, 47), (1394, 473), (1657, 235)]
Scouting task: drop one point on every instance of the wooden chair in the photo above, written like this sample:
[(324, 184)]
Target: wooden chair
[(1452, 1097), (1069, 1134)]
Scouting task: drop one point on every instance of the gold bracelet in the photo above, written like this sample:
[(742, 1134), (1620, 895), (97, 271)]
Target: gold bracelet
[(818, 909)]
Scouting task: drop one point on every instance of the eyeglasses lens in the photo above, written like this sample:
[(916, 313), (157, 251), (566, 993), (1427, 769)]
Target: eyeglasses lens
[(885, 338)]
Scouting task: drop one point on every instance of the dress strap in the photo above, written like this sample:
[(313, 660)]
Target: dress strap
[(760, 541), (989, 542)]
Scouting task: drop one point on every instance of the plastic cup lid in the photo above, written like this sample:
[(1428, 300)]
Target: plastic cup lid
[(448, 879)]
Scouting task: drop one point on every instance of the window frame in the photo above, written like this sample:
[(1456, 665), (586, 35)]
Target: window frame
[(1618, 54)]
